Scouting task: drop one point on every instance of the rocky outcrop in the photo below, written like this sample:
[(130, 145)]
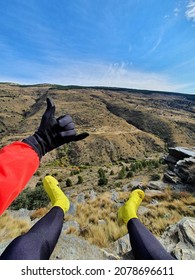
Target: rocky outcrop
[(181, 166), (185, 169), (179, 239)]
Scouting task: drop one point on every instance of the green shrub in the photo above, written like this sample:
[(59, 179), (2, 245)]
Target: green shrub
[(68, 183), (31, 199), (101, 173), (111, 172), (155, 177), (130, 174), (80, 180), (102, 181), (102, 177), (122, 173)]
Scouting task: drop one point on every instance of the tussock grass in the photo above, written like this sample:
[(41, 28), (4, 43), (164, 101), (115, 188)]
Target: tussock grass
[(98, 217), (98, 221), (11, 228), (167, 212), (37, 214)]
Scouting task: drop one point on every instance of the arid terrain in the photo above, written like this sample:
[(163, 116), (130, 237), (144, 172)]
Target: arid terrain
[(130, 131), (123, 124)]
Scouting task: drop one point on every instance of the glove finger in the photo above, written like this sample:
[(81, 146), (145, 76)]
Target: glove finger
[(64, 120), (81, 136), (68, 133), (50, 110), (69, 126)]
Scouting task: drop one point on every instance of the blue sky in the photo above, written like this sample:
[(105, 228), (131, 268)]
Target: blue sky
[(143, 44)]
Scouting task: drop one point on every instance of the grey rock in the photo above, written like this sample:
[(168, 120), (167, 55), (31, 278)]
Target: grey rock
[(114, 195), (142, 210), (179, 239), (181, 152), (152, 193), (81, 198), (186, 231), (122, 248), (92, 195), (71, 247), (185, 169), (73, 209), (126, 188), (4, 244), (101, 222), (22, 214), (181, 167), (70, 224), (172, 178), (157, 185)]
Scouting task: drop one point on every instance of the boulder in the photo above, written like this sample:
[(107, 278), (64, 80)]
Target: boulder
[(181, 166), (180, 153), (72, 247), (179, 239), (157, 185), (185, 169)]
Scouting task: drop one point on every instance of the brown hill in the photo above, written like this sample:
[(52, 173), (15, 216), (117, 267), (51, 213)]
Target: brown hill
[(123, 124)]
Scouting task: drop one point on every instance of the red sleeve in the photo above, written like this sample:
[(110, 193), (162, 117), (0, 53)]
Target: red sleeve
[(18, 162)]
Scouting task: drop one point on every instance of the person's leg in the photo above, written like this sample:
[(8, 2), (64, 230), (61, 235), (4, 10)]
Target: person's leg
[(39, 242), (144, 244)]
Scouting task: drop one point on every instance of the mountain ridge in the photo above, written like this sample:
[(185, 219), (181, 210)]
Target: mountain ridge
[(123, 123)]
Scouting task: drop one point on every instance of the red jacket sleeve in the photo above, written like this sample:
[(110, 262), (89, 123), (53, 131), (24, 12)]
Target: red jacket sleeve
[(18, 162)]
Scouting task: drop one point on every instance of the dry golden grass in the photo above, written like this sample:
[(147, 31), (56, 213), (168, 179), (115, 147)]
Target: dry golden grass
[(98, 221), (98, 218), (11, 228), (168, 211), (37, 214)]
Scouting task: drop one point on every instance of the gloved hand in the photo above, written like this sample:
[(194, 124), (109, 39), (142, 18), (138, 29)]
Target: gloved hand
[(52, 132)]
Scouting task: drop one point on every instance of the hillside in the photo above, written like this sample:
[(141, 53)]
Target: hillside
[(130, 131), (123, 124)]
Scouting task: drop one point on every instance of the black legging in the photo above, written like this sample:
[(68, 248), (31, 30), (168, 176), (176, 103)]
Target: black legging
[(144, 244), (39, 242)]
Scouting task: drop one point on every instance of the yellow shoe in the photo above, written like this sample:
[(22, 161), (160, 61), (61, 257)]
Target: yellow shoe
[(58, 198), (129, 209)]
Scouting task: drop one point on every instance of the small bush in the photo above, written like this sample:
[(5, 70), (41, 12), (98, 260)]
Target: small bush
[(68, 183), (101, 173), (102, 177), (122, 173), (31, 199), (80, 180), (111, 172), (155, 177), (102, 181), (130, 174)]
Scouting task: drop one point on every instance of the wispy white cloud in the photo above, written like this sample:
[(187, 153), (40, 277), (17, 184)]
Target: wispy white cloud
[(96, 74), (156, 44), (176, 11), (190, 12)]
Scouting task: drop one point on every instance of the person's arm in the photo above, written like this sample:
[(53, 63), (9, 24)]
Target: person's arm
[(19, 160), (18, 163)]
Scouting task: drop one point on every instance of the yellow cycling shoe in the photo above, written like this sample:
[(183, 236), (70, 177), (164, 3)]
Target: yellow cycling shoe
[(129, 209), (56, 195)]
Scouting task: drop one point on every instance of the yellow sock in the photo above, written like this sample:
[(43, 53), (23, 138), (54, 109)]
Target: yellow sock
[(129, 209), (56, 195)]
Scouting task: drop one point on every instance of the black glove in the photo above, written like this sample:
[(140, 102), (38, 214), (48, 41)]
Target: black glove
[(53, 132)]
